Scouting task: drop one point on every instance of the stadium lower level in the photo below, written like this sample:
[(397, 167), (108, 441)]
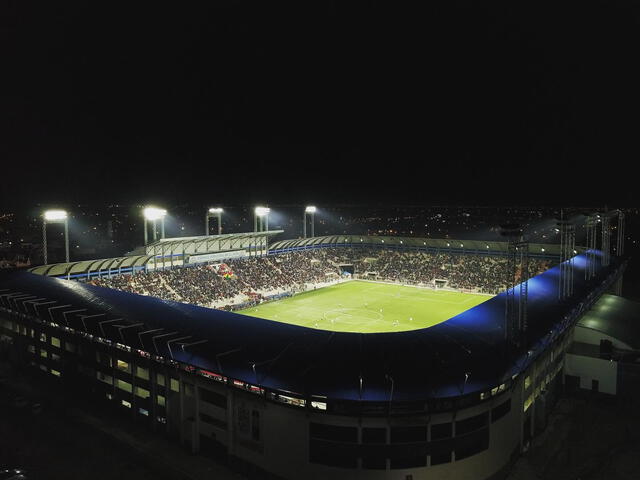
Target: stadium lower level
[(286, 401)]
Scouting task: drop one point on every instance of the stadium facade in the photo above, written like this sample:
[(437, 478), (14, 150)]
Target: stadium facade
[(283, 401)]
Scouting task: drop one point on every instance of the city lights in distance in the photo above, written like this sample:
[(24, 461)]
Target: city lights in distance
[(53, 215), (262, 211), (153, 213)]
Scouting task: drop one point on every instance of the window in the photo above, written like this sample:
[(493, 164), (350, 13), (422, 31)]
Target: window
[(440, 458), (43, 337), (55, 372), (126, 404), (213, 398), (70, 347), (441, 430), (408, 462), (103, 359), (188, 389), (142, 392), (161, 400), (408, 434), (527, 382), (108, 379), (160, 379), (471, 424), (213, 421), (318, 405), (55, 342), (142, 373), (255, 425), (143, 411), (31, 349), (55, 357), (374, 435), (472, 444), (333, 432), (123, 366), (122, 385), (500, 411), (175, 385), (528, 402), (43, 353), (374, 462)]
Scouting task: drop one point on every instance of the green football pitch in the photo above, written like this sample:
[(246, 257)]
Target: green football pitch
[(367, 307)]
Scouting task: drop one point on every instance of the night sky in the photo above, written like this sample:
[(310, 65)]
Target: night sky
[(328, 101)]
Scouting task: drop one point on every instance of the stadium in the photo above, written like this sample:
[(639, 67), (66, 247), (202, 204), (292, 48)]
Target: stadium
[(340, 356)]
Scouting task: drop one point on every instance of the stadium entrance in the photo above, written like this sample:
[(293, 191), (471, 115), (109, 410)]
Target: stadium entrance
[(347, 268)]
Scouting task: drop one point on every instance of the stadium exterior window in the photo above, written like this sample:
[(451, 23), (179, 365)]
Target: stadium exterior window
[(55, 342), (55, 372), (122, 385), (441, 430), (55, 357), (143, 411), (472, 424), (126, 403), (103, 359), (408, 434), (318, 405), (527, 382), (31, 348), (160, 379), (188, 389), (123, 366), (213, 398), (175, 385), (336, 433), (255, 425), (43, 338), (528, 402), (44, 368), (142, 373), (142, 392), (161, 400), (374, 435), (411, 462), (108, 379), (500, 411), (221, 424), (440, 458), (43, 353), (69, 347)]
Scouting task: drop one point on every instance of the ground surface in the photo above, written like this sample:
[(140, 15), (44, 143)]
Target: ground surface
[(368, 307)]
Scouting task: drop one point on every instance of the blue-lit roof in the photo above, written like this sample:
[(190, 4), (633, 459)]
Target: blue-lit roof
[(421, 364)]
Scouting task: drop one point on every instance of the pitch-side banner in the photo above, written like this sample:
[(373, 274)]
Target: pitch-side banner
[(214, 257)]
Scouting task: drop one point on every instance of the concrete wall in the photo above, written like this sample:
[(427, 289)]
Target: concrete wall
[(593, 337), (589, 368)]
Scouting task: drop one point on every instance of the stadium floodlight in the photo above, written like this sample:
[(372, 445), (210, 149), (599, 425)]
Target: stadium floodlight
[(153, 214), (55, 216), (311, 211), (213, 212), (261, 219)]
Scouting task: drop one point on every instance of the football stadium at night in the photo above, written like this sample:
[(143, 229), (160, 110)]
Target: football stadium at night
[(342, 356)]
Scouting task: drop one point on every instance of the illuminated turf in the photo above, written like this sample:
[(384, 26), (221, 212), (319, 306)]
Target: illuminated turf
[(367, 307)]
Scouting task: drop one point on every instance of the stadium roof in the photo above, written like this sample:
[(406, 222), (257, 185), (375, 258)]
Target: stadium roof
[(208, 243), (616, 317), (417, 242), (462, 355), (180, 246)]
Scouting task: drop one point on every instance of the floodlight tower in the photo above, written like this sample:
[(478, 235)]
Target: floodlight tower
[(311, 211), (567, 249), (517, 278), (213, 212), (55, 216), (261, 219), (153, 214)]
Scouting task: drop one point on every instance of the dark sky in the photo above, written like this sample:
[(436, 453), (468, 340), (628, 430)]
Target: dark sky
[(328, 101)]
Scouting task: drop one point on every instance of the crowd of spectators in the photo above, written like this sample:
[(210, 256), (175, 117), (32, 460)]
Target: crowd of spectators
[(256, 277)]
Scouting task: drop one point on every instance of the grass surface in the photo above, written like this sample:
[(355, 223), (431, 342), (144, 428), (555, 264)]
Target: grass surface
[(367, 307)]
